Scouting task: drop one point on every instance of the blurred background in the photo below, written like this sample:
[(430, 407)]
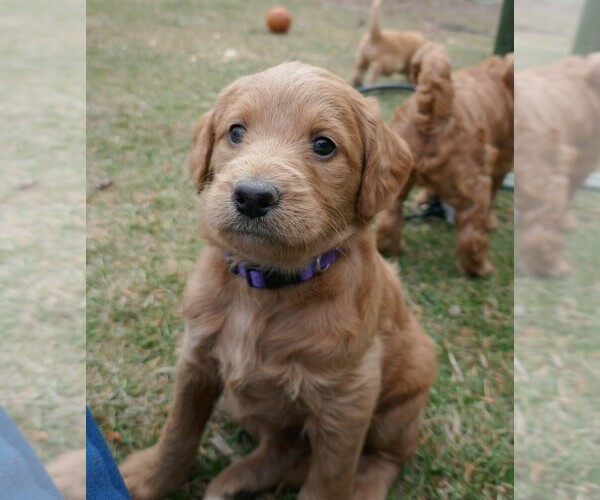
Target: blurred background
[(556, 317), (42, 221)]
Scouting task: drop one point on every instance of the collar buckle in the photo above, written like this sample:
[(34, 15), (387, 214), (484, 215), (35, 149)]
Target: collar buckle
[(324, 267)]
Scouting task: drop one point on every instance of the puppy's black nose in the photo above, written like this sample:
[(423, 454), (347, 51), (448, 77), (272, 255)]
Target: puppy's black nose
[(254, 198)]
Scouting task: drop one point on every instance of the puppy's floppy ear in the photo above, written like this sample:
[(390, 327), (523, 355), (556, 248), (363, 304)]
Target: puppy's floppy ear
[(202, 147), (386, 166)]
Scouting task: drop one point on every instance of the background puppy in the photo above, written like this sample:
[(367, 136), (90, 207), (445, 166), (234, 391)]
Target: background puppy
[(557, 119), (328, 375), (384, 52), (459, 127)]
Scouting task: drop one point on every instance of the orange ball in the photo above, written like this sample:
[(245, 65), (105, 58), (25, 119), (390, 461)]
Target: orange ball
[(278, 19)]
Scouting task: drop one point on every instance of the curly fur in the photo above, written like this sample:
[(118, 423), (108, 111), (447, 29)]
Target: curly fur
[(557, 119), (459, 126)]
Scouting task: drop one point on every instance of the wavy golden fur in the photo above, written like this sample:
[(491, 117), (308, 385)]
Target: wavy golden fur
[(557, 120), (459, 126), (329, 377), (384, 52)]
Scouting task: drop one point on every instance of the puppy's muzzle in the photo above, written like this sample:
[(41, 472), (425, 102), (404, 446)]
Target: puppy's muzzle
[(255, 197)]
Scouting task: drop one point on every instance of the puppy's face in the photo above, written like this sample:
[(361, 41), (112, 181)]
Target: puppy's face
[(292, 162)]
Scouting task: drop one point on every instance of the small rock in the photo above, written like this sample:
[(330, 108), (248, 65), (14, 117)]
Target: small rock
[(103, 184), (22, 186), (454, 311), (520, 311), (230, 54)]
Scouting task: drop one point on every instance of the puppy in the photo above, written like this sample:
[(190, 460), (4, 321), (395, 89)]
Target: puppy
[(557, 119), (384, 52), (291, 312), (459, 127)]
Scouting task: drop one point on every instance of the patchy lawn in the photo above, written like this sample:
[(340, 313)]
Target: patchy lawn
[(42, 216)]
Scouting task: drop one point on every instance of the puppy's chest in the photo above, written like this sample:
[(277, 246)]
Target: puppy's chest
[(259, 378)]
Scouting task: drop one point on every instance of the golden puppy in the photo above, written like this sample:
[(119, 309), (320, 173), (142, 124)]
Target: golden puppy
[(384, 52), (459, 127), (557, 120), (291, 312)]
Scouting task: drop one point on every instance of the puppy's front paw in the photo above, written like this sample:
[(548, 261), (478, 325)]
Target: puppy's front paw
[(558, 269), (492, 222), (486, 268), (476, 270), (146, 477)]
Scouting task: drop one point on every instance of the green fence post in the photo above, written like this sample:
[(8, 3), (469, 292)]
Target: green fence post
[(506, 29), (588, 35)]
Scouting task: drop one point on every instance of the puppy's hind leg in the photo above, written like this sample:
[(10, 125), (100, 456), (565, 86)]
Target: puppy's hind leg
[(262, 469), (360, 68), (472, 243), (376, 70), (391, 444), (374, 478)]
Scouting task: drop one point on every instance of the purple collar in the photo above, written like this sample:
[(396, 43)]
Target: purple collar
[(271, 278)]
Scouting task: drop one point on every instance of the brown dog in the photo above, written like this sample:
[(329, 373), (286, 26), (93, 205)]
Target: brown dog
[(557, 120), (291, 312), (459, 127), (384, 52)]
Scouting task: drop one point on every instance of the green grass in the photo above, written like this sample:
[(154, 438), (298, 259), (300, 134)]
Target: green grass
[(153, 69), (556, 400), (42, 216)]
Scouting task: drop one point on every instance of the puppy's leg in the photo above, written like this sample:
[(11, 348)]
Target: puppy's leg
[(393, 436), (336, 441), (376, 70), (472, 239), (472, 244), (152, 473), (262, 469), (374, 478), (336, 432), (360, 68), (497, 165), (578, 170)]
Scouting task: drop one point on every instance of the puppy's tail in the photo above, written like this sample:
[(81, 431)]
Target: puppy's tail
[(431, 73), (374, 28)]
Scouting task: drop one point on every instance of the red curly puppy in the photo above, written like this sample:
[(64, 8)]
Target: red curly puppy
[(292, 313), (459, 127)]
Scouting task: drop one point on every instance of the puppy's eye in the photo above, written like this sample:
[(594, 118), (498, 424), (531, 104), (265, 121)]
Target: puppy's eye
[(323, 146), (236, 134)]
